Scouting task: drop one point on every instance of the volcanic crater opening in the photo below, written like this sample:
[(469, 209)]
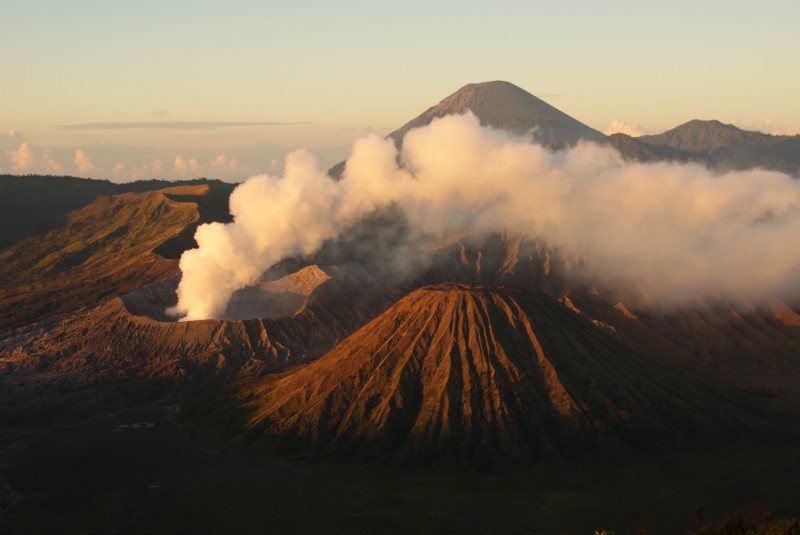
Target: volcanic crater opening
[(275, 296)]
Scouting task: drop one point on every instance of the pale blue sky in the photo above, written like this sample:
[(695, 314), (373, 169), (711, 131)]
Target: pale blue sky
[(347, 67)]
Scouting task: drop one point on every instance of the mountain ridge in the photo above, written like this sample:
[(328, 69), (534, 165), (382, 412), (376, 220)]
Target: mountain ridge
[(474, 375), (699, 135), (110, 246)]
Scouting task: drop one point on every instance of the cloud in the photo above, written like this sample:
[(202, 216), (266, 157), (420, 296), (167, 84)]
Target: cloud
[(219, 161), (161, 113), (677, 231), (11, 139), (52, 164), (174, 125), (770, 128), (82, 161), (22, 158), (631, 129), (240, 161), (180, 164), (222, 162)]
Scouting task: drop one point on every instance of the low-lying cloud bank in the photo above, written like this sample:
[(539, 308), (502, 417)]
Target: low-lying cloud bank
[(124, 163), (677, 231)]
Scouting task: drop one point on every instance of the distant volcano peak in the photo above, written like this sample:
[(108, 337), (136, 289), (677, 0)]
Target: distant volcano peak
[(505, 106), (500, 99), (700, 135)]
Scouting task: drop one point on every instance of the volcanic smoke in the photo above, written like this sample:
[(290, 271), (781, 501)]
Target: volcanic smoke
[(680, 231)]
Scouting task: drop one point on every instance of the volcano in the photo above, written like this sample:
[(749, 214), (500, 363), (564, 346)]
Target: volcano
[(83, 302), (504, 106), (724, 146), (706, 136), (473, 375)]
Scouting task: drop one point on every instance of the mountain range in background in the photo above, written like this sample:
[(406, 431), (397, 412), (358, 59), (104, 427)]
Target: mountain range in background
[(487, 357), (504, 106), (36, 201)]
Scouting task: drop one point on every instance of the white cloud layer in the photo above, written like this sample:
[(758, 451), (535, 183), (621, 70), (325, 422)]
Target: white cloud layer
[(124, 163), (22, 158), (677, 231), (82, 161)]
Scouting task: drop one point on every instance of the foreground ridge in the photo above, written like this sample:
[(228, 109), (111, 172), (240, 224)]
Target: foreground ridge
[(473, 375)]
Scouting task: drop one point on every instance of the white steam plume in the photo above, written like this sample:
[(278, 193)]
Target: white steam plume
[(679, 231)]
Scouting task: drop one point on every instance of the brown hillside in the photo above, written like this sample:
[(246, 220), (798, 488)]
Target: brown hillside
[(108, 248), (127, 349), (706, 136), (34, 204), (750, 343), (470, 375), (726, 147), (103, 249)]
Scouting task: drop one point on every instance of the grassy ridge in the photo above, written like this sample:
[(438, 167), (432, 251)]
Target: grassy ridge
[(102, 249), (84, 240), (35, 204)]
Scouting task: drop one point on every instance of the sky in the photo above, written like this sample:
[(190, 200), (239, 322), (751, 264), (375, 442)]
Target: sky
[(176, 89)]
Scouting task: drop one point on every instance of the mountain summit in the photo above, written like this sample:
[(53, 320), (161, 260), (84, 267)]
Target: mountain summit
[(471, 375), (507, 107), (704, 136), (725, 147), (504, 106)]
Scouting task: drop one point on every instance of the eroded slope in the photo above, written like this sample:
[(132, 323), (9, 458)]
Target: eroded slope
[(102, 250), (469, 375)]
